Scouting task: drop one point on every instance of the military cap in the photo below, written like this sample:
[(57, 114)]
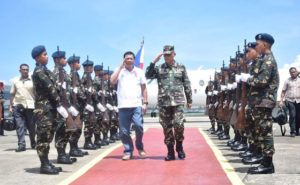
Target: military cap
[(232, 60), (59, 54), (168, 49), (241, 55), (88, 63), (36, 51), (98, 68), (105, 72), (251, 45), (265, 37), (226, 68)]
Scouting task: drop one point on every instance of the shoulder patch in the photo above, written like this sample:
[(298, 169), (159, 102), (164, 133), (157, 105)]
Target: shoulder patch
[(268, 62)]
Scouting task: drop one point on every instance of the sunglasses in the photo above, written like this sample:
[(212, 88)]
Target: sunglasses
[(25, 69)]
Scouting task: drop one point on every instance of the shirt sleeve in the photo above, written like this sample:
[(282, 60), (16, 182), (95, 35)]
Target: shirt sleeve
[(285, 85), (143, 78), (13, 88)]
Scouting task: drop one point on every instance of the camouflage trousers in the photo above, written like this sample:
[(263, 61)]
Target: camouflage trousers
[(114, 123), (45, 121), (97, 126), (88, 125), (61, 136), (250, 127), (170, 118), (261, 119)]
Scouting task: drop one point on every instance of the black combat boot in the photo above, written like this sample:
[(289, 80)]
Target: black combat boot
[(46, 167), (255, 159), (266, 167), (111, 138), (225, 136), (74, 152), (248, 153), (105, 139), (219, 130), (97, 141), (179, 150), (81, 151), (63, 158), (235, 139), (114, 134), (88, 145), (171, 153), (242, 146)]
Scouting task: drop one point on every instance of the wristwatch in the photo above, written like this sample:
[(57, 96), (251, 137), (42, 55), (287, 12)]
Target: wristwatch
[(145, 103)]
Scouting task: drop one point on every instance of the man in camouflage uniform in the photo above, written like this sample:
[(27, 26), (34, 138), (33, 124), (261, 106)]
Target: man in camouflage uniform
[(47, 104), (215, 102), (209, 94), (264, 83), (88, 115), (74, 64), (114, 125), (173, 84), (61, 135)]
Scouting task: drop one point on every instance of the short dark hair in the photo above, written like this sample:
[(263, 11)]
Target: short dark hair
[(23, 65), (292, 69), (129, 53)]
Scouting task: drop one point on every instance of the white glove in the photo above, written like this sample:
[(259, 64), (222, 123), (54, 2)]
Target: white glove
[(116, 109), (73, 111), (223, 87), (237, 78), (245, 77), (75, 90), (109, 107), (209, 93), (114, 92), (89, 108), (101, 107), (229, 86), (215, 92), (89, 89), (210, 105), (216, 104), (234, 106), (230, 104), (99, 93), (62, 111), (246, 108), (225, 102), (110, 94), (234, 85)]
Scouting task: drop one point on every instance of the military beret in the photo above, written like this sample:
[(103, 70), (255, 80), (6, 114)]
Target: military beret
[(168, 49), (105, 72), (98, 68), (226, 68), (59, 54), (241, 55), (232, 60), (265, 37), (36, 51), (219, 74), (88, 63), (251, 45)]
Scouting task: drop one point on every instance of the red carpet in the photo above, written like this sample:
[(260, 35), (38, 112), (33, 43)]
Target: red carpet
[(200, 166)]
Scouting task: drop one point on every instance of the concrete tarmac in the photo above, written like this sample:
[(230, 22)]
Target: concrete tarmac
[(23, 167)]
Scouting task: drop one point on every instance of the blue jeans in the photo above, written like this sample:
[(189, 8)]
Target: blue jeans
[(294, 112), (126, 117)]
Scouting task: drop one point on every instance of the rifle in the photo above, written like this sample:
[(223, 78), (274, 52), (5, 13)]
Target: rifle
[(77, 120), (70, 126), (241, 114), (227, 114), (89, 94), (103, 101), (221, 99), (237, 92)]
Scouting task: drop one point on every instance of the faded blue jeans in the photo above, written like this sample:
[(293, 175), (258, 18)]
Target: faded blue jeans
[(126, 117)]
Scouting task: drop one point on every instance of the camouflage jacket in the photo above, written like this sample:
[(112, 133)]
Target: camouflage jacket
[(173, 84), (265, 81), (80, 96), (46, 95), (84, 81), (59, 87)]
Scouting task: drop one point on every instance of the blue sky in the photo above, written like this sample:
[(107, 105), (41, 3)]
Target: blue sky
[(204, 32)]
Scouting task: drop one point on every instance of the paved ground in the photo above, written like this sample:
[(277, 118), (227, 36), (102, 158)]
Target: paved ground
[(23, 168)]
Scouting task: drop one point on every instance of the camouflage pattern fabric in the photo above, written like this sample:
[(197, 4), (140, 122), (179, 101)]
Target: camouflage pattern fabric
[(173, 84), (97, 87), (171, 117), (46, 101)]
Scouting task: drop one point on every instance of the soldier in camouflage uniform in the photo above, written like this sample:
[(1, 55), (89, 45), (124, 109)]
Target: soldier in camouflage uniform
[(47, 104), (114, 125), (74, 63), (88, 112), (98, 111), (61, 135), (264, 83), (209, 93), (173, 84)]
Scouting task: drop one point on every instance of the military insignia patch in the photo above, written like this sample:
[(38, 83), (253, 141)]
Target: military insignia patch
[(256, 70)]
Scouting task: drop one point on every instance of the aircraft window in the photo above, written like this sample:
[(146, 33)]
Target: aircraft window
[(201, 82)]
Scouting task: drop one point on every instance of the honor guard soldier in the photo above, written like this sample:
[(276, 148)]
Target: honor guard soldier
[(264, 83), (78, 91), (173, 84), (47, 105), (114, 125), (88, 117), (61, 135)]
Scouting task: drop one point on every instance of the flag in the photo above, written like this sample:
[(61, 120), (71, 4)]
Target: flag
[(139, 57)]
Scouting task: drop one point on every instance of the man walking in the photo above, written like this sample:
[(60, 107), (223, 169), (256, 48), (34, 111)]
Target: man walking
[(291, 93), (131, 89), (22, 105), (173, 83)]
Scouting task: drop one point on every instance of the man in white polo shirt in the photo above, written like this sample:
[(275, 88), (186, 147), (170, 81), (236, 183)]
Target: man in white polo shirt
[(22, 105), (131, 91)]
